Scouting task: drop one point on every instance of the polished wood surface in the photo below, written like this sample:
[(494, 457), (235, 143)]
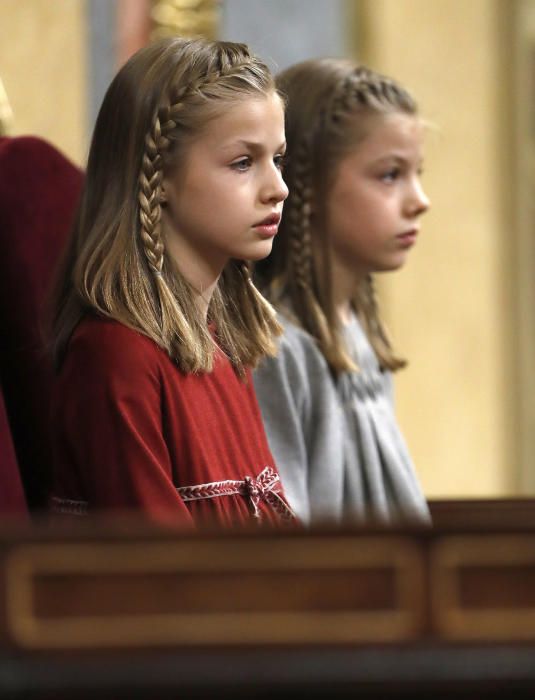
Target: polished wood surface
[(489, 514), (128, 610)]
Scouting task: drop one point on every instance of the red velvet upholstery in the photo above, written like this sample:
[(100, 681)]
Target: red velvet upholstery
[(39, 189)]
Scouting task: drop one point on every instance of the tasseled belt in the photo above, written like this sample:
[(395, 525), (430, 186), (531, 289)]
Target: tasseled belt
[(264, 487)]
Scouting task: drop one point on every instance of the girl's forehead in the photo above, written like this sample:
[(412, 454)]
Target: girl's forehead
[(395, 126), (390, 131), (395, 136), (245, 118)]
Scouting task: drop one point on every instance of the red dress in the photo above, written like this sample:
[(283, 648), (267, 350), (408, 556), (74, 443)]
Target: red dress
[(132, 432)]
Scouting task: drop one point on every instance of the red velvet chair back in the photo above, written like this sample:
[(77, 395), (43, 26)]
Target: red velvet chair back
[(12, 498), (39, 190)]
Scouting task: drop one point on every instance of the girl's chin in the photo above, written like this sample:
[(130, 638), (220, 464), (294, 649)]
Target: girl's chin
[(393, 264), (260, 252)]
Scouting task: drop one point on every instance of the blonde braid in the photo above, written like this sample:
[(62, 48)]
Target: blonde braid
[(300, 240), (264, 312), (299, 221), (150, 187), (305, 298), (157, 143), (364, 89), (368, 309)]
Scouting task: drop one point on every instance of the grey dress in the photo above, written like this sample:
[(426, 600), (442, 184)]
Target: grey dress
[(336, 443)]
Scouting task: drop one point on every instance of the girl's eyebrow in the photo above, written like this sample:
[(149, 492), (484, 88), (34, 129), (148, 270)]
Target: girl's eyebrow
[(255, 146), (398, 158), (392, 156)]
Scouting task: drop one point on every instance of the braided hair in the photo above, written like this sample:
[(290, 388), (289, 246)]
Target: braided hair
[(116, 265), (324, 97)]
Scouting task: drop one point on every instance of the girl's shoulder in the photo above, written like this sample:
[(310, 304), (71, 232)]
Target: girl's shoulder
[(297, 346), (109, 343), (99, 330), (297, 376), (294, 337)]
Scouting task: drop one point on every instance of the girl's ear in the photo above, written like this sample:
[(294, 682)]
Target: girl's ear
[(163, 196)]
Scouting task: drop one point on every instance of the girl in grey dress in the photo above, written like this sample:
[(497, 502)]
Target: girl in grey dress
[(353, 170)]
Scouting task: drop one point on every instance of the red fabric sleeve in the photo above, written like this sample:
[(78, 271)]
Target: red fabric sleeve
[(109, 397)]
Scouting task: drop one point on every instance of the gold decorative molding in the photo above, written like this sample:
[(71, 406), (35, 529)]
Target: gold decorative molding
[(189, 18), (6, 114)]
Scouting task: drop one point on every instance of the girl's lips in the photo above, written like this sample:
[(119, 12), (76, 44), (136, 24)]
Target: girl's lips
[(269, 220), (408, 238), (268, 227), (267, 230)]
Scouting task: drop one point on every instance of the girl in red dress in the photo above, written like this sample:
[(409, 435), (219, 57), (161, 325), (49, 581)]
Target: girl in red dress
[(156, 320)]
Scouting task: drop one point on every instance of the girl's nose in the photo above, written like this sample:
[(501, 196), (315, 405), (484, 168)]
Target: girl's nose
[(419, 201), (275, 189)]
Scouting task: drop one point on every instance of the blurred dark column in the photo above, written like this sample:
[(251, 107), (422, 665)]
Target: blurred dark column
[(285, 31), (101, 49)]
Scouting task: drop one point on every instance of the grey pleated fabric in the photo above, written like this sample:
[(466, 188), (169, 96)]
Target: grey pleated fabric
[(336, 443), (379, 478)]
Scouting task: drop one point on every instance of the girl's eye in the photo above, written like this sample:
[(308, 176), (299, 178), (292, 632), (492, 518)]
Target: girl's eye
[(280, 161), (391, 175), (241, 165)]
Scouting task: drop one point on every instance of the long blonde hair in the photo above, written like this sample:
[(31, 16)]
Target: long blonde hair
[(329, 106), (116, 264)]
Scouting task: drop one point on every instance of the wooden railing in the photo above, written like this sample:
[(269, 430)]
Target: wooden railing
[(126, 609)]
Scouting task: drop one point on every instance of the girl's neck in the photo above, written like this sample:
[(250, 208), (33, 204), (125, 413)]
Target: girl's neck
[(201, 272), (344, 282), (204, 296), (343, 311)]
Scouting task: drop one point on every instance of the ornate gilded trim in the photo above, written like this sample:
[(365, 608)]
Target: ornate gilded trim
[(6, 113), (187, 18)]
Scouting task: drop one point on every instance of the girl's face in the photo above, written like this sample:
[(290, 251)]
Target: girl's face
[(376, 198), (225, 200)]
